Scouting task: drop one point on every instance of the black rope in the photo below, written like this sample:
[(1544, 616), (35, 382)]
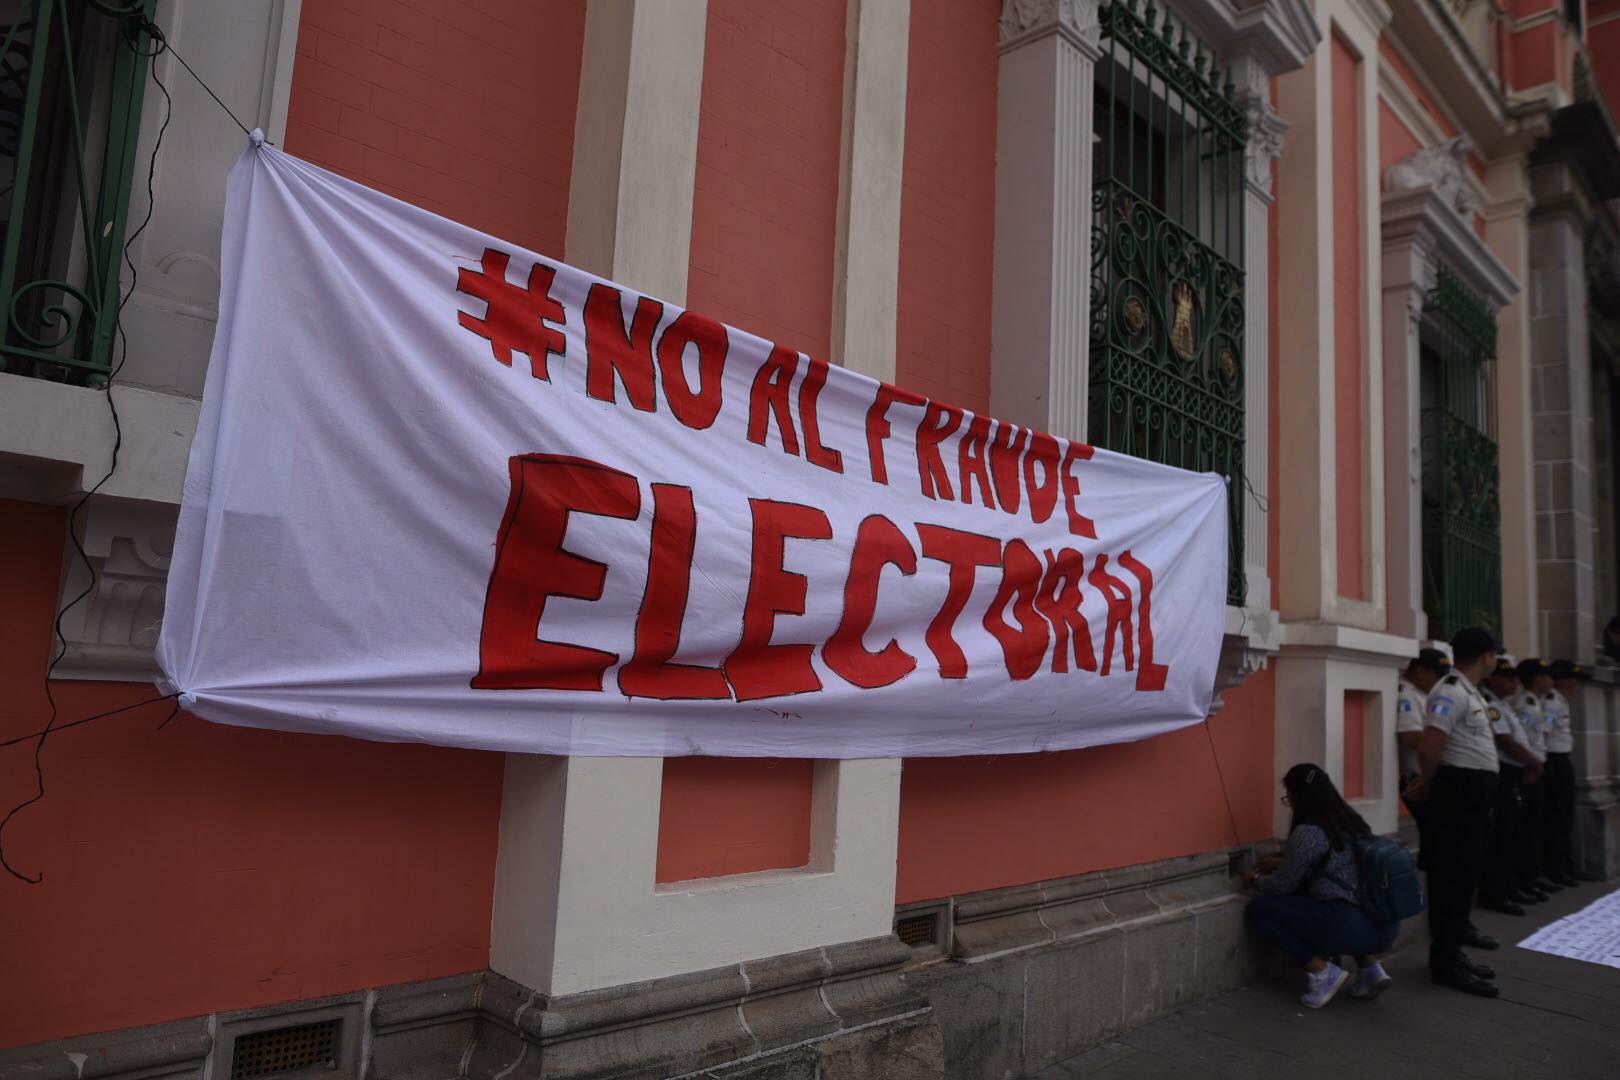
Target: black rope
[(161, 45), (60, 639), (1237, 836), (15, 739)]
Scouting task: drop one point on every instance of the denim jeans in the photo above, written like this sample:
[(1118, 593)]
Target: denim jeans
[(1306, 927)]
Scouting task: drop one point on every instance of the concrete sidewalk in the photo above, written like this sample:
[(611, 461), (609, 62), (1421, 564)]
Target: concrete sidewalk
[(1556, 1018)]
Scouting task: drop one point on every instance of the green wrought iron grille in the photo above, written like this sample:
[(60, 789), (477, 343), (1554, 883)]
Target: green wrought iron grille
[(1167, 323), (1462, 545), (71, 80)]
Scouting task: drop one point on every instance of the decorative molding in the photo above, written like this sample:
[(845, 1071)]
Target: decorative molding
[(1023, 21), (1424, 218), (1279, 35), (1443, 167), (1266, 131), (111, 633)]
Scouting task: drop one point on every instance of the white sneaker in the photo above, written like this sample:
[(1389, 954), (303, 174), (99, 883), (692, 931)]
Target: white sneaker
[(1370, 982), (1320, 986)]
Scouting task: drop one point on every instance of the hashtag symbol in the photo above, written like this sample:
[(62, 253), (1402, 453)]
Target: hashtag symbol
[(517, 315)]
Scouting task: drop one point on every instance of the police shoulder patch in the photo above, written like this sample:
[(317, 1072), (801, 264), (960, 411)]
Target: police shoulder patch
[(1450, 680)]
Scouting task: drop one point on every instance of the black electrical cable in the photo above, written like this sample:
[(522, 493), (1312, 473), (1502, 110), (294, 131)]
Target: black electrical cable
[(112, 466), (15, 739)]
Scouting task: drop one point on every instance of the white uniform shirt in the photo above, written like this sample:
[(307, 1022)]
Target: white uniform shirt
[(1560, 735), (1408, 717), (1529, 708), (1455, 707), (1515, 727)]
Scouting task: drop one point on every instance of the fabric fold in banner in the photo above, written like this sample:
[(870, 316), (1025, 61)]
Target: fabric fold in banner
[(450, 491)]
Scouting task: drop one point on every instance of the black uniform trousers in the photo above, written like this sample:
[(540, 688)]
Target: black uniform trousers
[(1558, 820), (1502, 857), (1535, 811), (1461, 802)]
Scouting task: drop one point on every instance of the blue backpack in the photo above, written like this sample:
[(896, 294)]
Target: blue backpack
[(1390, 889)]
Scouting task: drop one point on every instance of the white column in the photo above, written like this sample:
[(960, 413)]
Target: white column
[(1409, 270), (866, 258), (1040, 311), (1266, 130), (577, 905)]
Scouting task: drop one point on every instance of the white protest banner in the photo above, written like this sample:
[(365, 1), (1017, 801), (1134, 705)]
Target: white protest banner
[(447, 490)]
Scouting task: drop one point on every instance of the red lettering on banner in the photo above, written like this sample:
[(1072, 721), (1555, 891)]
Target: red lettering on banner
[(973, 460), (770, 392), (649, 673), (1118, 595), (612, 349), (517, 315), (877, 426), (937, 424), (1059, 601), (1043, 452), (1149, 676), (696, 409), (531, 567), (757, 668), (1004, 453), (815, 377), (878, 543), (1079, 524), (1024, 648), (963, 551)]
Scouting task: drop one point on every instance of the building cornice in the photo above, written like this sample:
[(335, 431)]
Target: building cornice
[(1423, 217), (1427, 39), (1280, 34)]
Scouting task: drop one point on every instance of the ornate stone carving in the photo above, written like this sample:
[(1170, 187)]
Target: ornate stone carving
[(111, 633), (1442, 167), (1025, 19), (1240, 658), (1266, 131)]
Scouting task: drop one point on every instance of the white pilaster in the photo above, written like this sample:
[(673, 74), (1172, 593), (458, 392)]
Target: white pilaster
[(1040, 310), (577, 906), (866, 256), (1266, 131)]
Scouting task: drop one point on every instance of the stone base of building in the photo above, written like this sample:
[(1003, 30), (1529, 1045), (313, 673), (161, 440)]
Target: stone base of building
[(1038, 973), (842, 1012), (1001, 984), (1597, 830)]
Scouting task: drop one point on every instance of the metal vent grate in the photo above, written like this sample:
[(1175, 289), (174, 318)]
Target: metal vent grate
[(281, 1050), (916, 930)]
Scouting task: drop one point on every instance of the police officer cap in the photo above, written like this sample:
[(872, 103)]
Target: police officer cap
[(1568, 669), (1433, 660), (1530, 667), (1507, 664), (1472, 641)]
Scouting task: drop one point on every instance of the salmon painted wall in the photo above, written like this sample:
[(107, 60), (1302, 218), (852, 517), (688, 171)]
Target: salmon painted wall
[(764, 213), (1349, 298), (401, 96), (982, 823), (201, 867), (948, 207), (1603, 42), (722, 816), (1355, 744), (764, 222)]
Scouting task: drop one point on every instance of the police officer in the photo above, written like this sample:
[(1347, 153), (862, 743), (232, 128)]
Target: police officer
[(1530, 704), (1515, 760), (1558, 862), (1422, 672), (1457, 758)]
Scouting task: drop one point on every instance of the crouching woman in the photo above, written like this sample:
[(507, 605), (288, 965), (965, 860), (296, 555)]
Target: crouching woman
[(1308, 904)]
